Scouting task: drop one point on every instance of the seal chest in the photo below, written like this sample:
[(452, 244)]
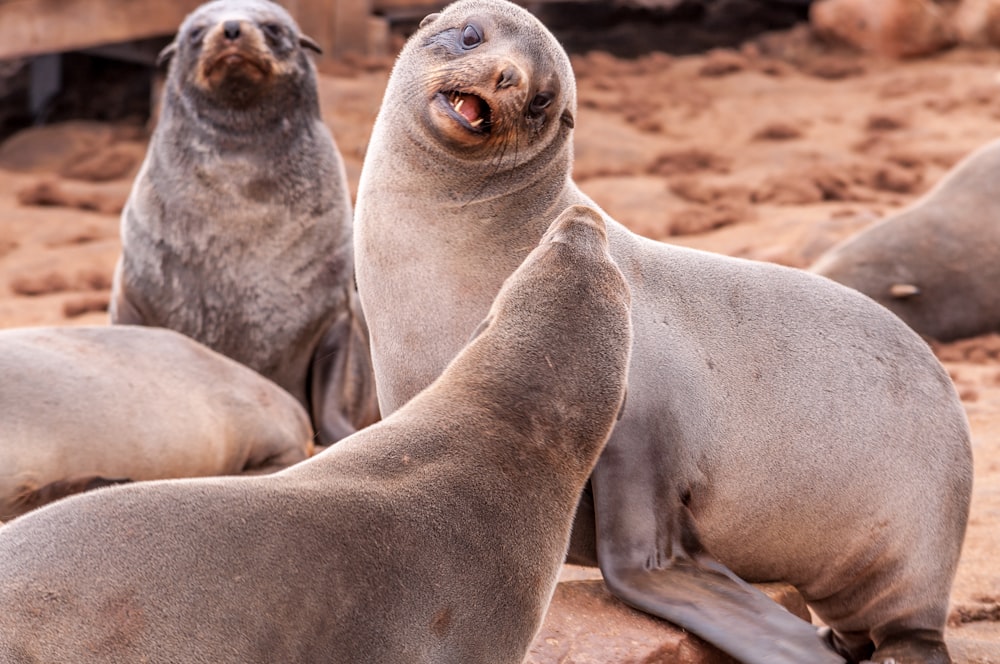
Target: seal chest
[(237, 232), (755, 395)]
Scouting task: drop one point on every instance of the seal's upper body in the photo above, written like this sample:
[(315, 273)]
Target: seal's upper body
[(435, 536), (776, 420), (80, 406), (238, 228), (936, 263)]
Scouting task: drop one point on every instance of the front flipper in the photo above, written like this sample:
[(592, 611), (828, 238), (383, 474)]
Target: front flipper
[(685, 585)]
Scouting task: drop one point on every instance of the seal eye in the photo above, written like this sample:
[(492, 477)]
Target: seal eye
[(273, 30), (196, 33), (471, 36), (540, 102)]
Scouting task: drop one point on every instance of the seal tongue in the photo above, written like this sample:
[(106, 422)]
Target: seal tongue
[(470, 106)]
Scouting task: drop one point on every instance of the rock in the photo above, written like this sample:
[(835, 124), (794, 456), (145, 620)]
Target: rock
[(977, 22), (893, 28), (585, 624)]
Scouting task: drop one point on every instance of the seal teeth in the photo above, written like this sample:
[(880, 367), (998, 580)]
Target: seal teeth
[(476, 122), (458, 104)]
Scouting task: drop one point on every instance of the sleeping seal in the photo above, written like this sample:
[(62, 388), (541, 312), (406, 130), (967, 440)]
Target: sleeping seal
[(237, 231), (433, 537), (779, 425), (935, 264), (82, 407)]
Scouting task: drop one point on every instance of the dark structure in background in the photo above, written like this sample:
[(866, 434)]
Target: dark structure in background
[(94, 59)]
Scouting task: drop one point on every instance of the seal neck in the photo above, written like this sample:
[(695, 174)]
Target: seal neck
[(287, 104)]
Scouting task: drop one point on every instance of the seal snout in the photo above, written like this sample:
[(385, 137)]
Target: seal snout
[(231, 30)]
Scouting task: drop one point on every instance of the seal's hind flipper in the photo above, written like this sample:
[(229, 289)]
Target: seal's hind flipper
[(674, 578), (725, 611)]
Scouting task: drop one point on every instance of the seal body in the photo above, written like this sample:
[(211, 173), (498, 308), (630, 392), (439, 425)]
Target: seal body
[(779, 425), (86, 406), (934, 264), (434, 536), (237, 232)]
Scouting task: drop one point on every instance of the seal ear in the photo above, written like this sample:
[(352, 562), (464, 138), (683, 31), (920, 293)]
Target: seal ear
[(430, 18), (567, 119), (308, 42), (168, 52), (903, 291)]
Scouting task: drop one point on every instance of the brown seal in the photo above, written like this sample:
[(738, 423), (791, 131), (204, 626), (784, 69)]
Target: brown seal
[(776, 420), (936, 263), (436, 535), (83, 407), (237, 232)]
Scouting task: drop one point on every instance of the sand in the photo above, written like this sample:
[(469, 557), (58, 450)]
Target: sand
[(771, 152)]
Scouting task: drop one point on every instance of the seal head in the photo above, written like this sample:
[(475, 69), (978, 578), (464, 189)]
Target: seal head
[(240, 55), (488, 105)]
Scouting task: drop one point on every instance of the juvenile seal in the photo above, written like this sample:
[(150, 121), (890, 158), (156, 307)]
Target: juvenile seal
[(237, 232), (435, 536), (82, 407), (936, 263), (778, 425)]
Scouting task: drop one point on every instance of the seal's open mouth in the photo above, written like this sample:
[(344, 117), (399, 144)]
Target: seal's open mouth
[(471, 111)]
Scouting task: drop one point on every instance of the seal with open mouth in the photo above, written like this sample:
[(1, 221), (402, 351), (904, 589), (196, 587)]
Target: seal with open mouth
[(238, 228), (780, 427)]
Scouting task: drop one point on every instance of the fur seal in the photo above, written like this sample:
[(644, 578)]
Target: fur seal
[(936, 263), (237, 231), (436, 535), (779, 425), (82, 407)]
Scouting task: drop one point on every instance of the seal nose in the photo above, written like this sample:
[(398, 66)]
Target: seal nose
[(231, 29), (510, 76)]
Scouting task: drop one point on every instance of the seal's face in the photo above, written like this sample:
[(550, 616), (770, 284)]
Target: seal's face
[(489, 81), (233, 51)]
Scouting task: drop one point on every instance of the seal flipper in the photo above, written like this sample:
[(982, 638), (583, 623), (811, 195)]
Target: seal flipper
[(686, 586), (342, 394)]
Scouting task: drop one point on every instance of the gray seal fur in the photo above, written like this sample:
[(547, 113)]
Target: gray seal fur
[(776, 420), (237, 232), (435, 536), (81, 407), (936, 263)]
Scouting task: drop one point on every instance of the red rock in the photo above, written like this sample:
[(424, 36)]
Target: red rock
[(978, 22), (585, 624), (893, 28)]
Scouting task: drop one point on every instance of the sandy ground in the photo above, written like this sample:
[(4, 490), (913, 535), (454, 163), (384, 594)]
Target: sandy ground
[(772, 152)]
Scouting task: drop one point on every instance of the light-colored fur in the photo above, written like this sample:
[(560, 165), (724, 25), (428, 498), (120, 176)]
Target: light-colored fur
[(435, 536), (935, 264), (811, 436), (81, 404)]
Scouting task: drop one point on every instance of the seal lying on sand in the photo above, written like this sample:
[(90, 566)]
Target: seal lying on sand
[(82, 407), (237, 232), (435, 536), (935, 264), (778, 423)]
